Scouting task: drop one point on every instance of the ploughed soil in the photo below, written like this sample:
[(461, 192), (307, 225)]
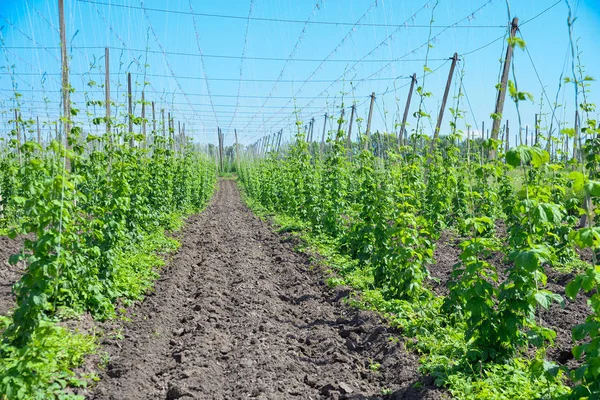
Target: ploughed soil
[(239, 314), (9, 274), (560, 319)]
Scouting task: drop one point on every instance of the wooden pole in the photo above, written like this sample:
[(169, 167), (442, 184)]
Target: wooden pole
[(507, 138), (576, 138), (183, 140), (499, 109), (153, 123), (65, 78), (19, 141), (536, 129), (144, 118), (39, 132), (401, 135), (349, 138), (279, 140), (107, 89), (163, 123), (221, 148), (369, 118), (172, 132), (526, 134), (339, 131), (323, 137), (311, 127), (436, 134), (130, 109), (237, 151), (179, 135)]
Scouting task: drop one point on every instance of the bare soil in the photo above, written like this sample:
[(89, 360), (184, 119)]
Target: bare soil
[(9, 274), (239, 314)]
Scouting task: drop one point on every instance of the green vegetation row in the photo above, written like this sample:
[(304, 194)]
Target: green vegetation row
[(378, 219), (93, 215)]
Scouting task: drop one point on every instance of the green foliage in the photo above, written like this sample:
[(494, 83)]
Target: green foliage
[(43, 369), (94, 231), (376, 212)]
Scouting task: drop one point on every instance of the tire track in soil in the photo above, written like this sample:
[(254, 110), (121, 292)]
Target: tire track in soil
[(238, 314)]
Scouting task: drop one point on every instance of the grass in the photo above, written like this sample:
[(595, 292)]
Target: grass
[(44, 368)]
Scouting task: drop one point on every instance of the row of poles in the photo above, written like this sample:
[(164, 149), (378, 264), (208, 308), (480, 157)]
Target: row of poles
[(273, 142), (266, 143)]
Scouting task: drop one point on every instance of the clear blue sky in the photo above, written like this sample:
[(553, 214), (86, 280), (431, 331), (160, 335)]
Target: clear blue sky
[(177, 82)]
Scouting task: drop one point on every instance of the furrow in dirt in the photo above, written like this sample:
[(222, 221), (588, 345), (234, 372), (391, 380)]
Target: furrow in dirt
[(239, 314)]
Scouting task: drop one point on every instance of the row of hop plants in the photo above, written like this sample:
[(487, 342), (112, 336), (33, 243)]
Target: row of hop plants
[(80, 209), (388, 212)]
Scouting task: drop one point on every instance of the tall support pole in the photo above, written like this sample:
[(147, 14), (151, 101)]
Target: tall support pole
[(401, 135), (482, 139), (507, 138), (323, 137), (503, 83), (536, 130), (436, 134), (237, 151), (577, 137), (19, 141), (168, 125), (183, 140), (279, 140), (482, 130), (65, 78), (144, 119), (107, 89), (178, 141), (340, 122), (221, 148), (130, 109), (39, 132), (349, 138), (164, 134), (369, 118), (153, 123), (526, 134), (172, 132)]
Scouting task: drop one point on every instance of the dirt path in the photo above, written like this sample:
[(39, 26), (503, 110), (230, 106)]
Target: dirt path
[(240, 315)]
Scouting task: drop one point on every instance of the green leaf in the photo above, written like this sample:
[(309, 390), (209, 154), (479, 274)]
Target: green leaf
[(14, 259), (593, 188), (578, 180), (572, 288)]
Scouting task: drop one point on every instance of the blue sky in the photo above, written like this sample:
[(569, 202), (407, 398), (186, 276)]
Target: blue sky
[(389, 53)]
